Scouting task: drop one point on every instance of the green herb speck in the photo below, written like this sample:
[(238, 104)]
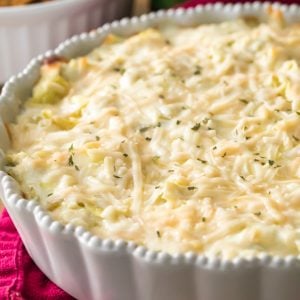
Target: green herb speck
[(144, 129), (201, 160), (119, 70), (70, 160), (196, 127), (191, 188), (244, 101), (198, 70)]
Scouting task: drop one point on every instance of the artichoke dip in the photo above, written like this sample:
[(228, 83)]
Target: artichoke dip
[(176, 138)]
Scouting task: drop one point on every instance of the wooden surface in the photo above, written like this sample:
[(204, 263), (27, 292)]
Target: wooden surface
[(140, 7)]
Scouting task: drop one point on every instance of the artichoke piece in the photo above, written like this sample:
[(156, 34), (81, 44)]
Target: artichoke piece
[(75, 68), (65, 123), (52, 87)]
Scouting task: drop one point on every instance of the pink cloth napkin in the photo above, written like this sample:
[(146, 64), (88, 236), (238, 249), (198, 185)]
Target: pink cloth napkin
[(20, 278)]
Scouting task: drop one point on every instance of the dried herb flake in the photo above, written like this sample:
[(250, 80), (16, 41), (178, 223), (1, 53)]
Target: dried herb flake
[(244, 101), (202, 160), (119, 70), (191, 188), (198, 70), (144, 129), (271, 162), (196, 127), (70, 160)]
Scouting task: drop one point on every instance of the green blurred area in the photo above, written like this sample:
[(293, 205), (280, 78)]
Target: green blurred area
[(161, 4)]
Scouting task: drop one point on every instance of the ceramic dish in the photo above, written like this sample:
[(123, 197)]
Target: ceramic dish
[(26, 31), (88, 267)]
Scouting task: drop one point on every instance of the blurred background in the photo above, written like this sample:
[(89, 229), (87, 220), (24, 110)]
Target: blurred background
[(147, 5), (31, 27)]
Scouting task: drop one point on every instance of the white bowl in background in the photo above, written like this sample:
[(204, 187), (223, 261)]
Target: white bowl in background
[(26, 31)]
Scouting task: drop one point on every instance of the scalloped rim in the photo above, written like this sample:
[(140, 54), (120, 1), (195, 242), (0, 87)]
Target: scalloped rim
[(13, 196)]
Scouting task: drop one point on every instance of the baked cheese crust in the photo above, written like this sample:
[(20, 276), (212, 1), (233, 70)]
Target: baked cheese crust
[(179, 139)]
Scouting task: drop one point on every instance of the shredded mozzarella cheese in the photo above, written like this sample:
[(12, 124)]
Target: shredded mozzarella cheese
[(180, 139)]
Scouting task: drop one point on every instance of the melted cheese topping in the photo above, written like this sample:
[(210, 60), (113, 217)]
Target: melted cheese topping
[(180, 139)]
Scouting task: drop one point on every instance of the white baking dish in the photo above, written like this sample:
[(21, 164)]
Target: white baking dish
[(90, 268), (26, 31)]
